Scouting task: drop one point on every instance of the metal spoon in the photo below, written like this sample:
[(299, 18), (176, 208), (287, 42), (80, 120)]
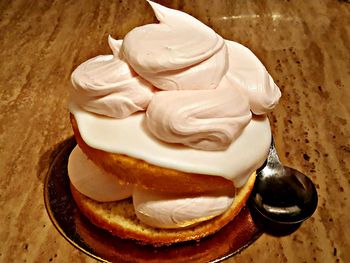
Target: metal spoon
[(282, 194)]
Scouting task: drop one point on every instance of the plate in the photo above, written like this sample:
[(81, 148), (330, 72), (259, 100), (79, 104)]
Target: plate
[(100, 245)]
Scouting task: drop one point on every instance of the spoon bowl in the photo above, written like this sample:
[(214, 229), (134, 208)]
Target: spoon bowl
[(282, 194)]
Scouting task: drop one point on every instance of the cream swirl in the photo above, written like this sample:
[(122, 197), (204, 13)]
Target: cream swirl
[(107, 85), (250, 75), (179, 53), (201, 119)]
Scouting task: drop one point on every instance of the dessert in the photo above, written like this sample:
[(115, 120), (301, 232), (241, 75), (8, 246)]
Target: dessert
[(170, 130)]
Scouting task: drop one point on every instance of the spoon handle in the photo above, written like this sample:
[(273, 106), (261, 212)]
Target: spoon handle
[(272, 160)]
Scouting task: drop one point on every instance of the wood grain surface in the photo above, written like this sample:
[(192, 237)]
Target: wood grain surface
[(305, 45)]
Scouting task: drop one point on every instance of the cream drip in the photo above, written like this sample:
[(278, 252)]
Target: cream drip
[(107, 85)]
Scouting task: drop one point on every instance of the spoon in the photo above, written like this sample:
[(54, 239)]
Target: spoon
[(282, 194)]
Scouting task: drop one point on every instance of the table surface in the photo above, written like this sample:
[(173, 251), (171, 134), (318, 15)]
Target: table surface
[(304, 45)]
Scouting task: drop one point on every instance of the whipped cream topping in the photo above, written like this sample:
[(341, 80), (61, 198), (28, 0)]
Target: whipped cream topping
[(178, 53), (203, 119), (250, 75), (94, 182), (107, 85), (208, 85), (173, 211)]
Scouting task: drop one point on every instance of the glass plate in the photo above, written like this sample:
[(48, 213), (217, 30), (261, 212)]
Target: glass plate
[(99, 244)]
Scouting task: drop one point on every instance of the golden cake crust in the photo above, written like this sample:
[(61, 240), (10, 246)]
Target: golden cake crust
[(138, 172), (119, 219)]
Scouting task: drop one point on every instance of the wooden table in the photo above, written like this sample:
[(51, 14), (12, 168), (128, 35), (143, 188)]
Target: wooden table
[(305, 45)]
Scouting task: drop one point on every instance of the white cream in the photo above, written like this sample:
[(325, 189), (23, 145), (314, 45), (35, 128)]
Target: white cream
[(210, 85), (173, 211), (251, 76), (201, 119), (179, 53), (107, 85), (94, 182)]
